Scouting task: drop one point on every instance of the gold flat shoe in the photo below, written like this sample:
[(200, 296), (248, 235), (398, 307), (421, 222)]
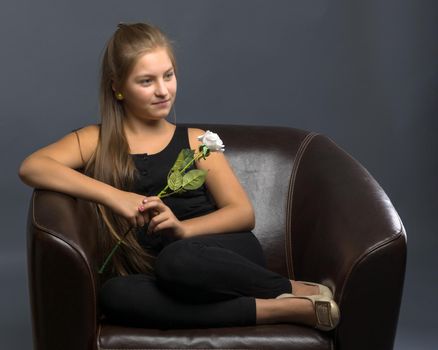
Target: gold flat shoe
[(323, 290), (326, 310)]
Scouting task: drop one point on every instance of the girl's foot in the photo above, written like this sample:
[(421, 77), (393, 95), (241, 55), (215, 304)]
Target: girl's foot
[(302, 288), (321, 313)]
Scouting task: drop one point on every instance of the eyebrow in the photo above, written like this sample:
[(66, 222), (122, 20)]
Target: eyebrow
[(151, 75)]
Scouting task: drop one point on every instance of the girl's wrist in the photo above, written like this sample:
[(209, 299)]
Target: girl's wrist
[(108, 195), (186, 233)]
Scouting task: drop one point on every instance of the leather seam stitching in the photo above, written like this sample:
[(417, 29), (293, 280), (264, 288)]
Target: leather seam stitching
[(368, 252), (288, 235), (98, 337)]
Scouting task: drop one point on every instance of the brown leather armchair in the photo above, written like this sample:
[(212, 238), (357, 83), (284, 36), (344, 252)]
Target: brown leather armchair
[(320, 217)]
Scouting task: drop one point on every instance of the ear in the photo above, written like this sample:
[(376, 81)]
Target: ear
[(113, 86)]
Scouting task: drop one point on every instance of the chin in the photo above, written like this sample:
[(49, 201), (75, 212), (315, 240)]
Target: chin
[(157, 116)]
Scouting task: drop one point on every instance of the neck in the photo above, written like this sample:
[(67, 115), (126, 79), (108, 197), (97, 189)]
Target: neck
[(145, 127)]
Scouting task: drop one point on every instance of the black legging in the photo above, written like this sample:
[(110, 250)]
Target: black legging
[(202, 281)]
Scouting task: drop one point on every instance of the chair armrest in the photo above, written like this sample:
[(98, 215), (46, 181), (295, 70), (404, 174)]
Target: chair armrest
[(345, 233), (61, 245)]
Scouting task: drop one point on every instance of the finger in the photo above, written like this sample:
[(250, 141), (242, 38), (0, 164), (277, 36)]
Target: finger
[(163, 225), (144, 201), (146, 217), (141, 208), (154, 205), (153, 198), (140, 220), (133, 221), (156, 220), (143, 212)]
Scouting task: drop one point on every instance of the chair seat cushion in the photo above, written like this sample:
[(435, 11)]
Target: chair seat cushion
[(278, 336)]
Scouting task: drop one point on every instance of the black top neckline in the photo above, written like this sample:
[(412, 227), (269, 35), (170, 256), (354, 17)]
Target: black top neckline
[(143, 155)]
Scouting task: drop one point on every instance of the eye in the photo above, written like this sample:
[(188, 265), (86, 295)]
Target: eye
[(168, 75), (145, 82)]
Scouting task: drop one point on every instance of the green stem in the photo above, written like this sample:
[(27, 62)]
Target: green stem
[(162, 194), (109, 257), (195, 158), (114, 250), (168, 194)]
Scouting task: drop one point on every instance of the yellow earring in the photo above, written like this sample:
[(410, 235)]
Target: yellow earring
[(119, 96)]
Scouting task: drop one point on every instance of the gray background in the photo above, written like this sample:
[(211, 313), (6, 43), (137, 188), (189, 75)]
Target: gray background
[(364, 73)]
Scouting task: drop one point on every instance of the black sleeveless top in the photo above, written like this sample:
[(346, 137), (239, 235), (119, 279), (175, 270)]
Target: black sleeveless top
[(152, 178)]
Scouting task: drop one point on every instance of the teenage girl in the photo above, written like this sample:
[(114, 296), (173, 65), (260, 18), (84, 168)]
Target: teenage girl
[(192, 260)]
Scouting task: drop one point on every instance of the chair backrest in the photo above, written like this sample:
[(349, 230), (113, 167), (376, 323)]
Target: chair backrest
[(320, 216), (263, 159)]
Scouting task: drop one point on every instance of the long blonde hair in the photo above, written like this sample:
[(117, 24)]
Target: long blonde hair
[(111, 162)]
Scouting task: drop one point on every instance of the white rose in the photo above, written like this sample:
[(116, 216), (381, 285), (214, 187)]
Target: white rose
[(212, 141)]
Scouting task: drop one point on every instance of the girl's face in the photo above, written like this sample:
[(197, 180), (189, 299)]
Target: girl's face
[(150, 89)]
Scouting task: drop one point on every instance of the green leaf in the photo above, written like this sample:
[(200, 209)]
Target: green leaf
[(175, 180), (184, 157), (194, 179)]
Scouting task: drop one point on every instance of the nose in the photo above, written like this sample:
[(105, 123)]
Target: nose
[(161, 88)]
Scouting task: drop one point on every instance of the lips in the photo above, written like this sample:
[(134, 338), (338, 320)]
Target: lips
[(161, 102)]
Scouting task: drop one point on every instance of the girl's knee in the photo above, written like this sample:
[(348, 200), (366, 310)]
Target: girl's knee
[(120, 288), (128, 300), (177, 260), (110, 294)]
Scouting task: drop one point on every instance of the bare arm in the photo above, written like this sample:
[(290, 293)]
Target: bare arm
[(53, 167), (235, 212)]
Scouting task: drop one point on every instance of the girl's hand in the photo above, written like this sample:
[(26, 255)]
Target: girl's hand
[(162, 218), (129, 205)]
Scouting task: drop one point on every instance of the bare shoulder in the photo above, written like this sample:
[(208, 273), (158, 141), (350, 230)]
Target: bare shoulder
[(92, 129), (74, 149), (89, 137), (193, 137), (215, 161)]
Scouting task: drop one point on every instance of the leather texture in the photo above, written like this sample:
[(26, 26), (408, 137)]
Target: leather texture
[(281, 336), (320, 215)]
